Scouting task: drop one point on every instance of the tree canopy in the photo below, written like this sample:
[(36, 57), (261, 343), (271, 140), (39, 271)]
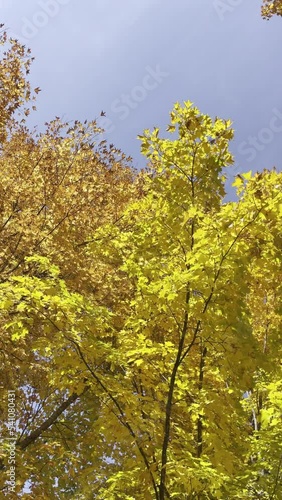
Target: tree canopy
[(140, 312)]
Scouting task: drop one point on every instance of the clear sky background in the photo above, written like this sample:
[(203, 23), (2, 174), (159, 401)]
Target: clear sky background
[(135, 58)]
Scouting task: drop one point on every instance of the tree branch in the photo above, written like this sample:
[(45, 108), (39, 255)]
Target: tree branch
[(24, 443)]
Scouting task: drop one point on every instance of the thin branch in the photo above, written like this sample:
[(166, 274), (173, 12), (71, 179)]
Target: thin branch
[(168, 410), (121, 416), (48, 423)]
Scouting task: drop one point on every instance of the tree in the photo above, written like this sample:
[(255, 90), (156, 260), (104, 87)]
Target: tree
[(271, 8), (140, 316), (203, 328), (56, 188)]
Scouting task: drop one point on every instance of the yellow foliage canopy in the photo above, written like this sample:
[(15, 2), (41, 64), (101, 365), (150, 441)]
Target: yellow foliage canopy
[(140, 314)]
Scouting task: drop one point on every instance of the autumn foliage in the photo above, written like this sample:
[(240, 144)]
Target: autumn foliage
[(271, 8), (140, 313)]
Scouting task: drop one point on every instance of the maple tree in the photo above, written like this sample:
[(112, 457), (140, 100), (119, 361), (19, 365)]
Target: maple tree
[(271, 8), (56, 188), (204, 323), (140, 314)]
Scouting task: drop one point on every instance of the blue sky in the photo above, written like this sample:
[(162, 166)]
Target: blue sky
[(135, 59)]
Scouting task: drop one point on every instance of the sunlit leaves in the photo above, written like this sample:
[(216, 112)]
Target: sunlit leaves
[(57, 189), (140, 315), (204, 262), (271, 8)]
